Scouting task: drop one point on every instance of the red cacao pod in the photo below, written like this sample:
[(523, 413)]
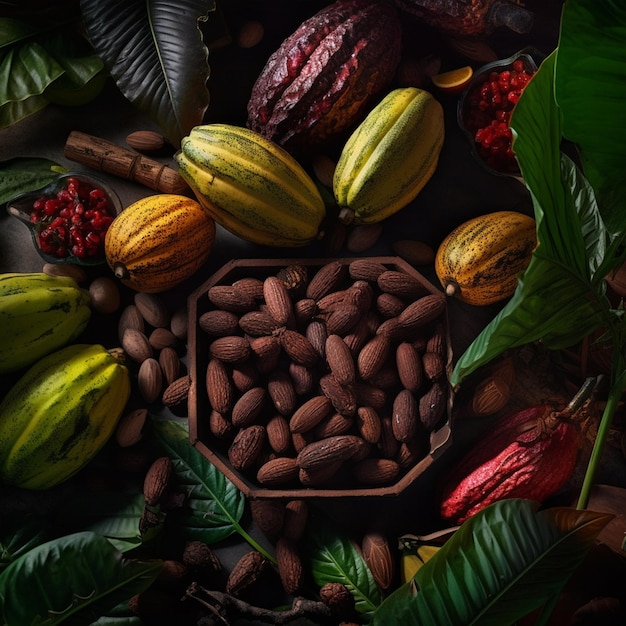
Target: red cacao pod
[(323, 76), (529, 454)]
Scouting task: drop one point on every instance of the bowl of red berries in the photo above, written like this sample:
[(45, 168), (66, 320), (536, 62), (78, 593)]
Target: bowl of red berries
[(485, 108), (68, 218)]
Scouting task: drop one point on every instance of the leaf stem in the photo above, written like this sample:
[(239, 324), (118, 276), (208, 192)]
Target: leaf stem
[(270, 557), (613, 399)]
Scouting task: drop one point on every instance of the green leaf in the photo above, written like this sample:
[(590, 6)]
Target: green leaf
[(213, 505), (590, 89), (19, 533), (333, 558), (74, 579), (500, 565), (23, 174), (155, 53)]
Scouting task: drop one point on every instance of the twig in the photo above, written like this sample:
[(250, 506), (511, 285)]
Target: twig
[(226, 606)]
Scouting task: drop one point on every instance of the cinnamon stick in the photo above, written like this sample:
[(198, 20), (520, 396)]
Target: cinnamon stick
[(106, 156)]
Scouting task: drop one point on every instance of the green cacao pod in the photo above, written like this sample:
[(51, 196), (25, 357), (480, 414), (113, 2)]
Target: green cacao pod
[(59, 414), (321, 79), (38, 314)]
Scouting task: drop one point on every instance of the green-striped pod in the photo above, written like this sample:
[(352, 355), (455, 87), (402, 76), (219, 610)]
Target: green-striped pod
[(38, 314), (59, 414), (390, 156), (251, 186)]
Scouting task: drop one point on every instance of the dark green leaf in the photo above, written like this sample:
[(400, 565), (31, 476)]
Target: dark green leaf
[(19, 533), (213, 505), (155, 53), (500, 565), (333, 558), (71, 580), (23, 174)]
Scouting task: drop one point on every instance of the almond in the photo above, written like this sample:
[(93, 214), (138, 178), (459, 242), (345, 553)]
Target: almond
[(281, 391), (377, 554), (337, 597), (329, 450), (376, 471), (219, 387), (373, 355), (129, 430), (266, 351), (150, 380), (340, 360), (326, 279), (179, 323), (145, 141), (318, 476), (298, 348), (490, 396), (343, 319), (422, 311), (161, 338), (248, 407), (246, 571), (278, 300), (363, 236), (433, 366), (170, 364), (105, 295), (366, 269), (303, 311), (296, 516), (368, 424), (176, 392), (303, 378), (341, 396), (310, 413), (258, 323), (246, 447), (278, 434), (415, 252), (217, 323), (387, 444), (369, 395), (295, 278), (436, 341), (157, 480), (130, 317), (316, 333), (389, 305), (136, 345), (410, 452), (230, 349), (278, 472), (335, 424), (251, 286), (153, 309), (409, 366), (401, 284), (77, 272), (219, 425), (289, 564), (405, 416), (432, 405), (268, 515), (229, 298), (244, 376)]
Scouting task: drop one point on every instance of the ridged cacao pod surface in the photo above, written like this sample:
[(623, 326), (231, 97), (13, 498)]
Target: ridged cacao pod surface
[(321, 79), (530, 454)]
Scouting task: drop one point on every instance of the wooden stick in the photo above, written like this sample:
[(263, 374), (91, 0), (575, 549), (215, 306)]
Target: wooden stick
[(106, 156)]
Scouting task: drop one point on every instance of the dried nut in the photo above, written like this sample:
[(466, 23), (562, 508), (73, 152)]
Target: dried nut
[(433, 365), (130, 317), (250, 34), (266, 351), (296, 516), (246, 571), (326, 279), (145, 141), (230, 298), (219, 387), (278, 434), (373, 355), (277, 299), (329, 450), (248, 407), (490, 396), (415, 252), (129, 430), (401, 284), (377, 555), (246, 447), (198, 557), (376, 471), (432, 405), (136, 345), (219, 425), (179, 323), (217, 323), (230, 349), (310, 413), (409, 366), (343, 319), (289, 563), (105, 295), (363, 237), (334, 237), (366, 269), (258, 323), (277, 472), (405, 416), (422, 311), (153, 309), (303, 378), (78, 273), (176, 392), (341, 396), (340, 360), (172, 573), (389, 305), (298, 348), (150, 380), (282, 392), (161, 338), (319, 476), (170, 364), (369, 424), (337, 597), (335, 424), (268, 515), (157, 480)]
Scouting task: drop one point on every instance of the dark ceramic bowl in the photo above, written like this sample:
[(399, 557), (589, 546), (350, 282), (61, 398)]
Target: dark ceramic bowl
[(470, 118), (21, 207)]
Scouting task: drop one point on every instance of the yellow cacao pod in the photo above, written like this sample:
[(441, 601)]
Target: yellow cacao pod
[(389, 157), (479, 261), (251, 186), (159, 241)]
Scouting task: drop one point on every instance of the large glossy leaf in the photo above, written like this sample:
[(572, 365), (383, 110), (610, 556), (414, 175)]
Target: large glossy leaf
[(71, 580), (213, 505), (155, 53), (558, 299), (501, 564), (333, 558), (19, 533), (590, 88)]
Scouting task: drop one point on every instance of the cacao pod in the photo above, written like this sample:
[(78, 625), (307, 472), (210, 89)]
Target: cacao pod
[(320, 80)]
